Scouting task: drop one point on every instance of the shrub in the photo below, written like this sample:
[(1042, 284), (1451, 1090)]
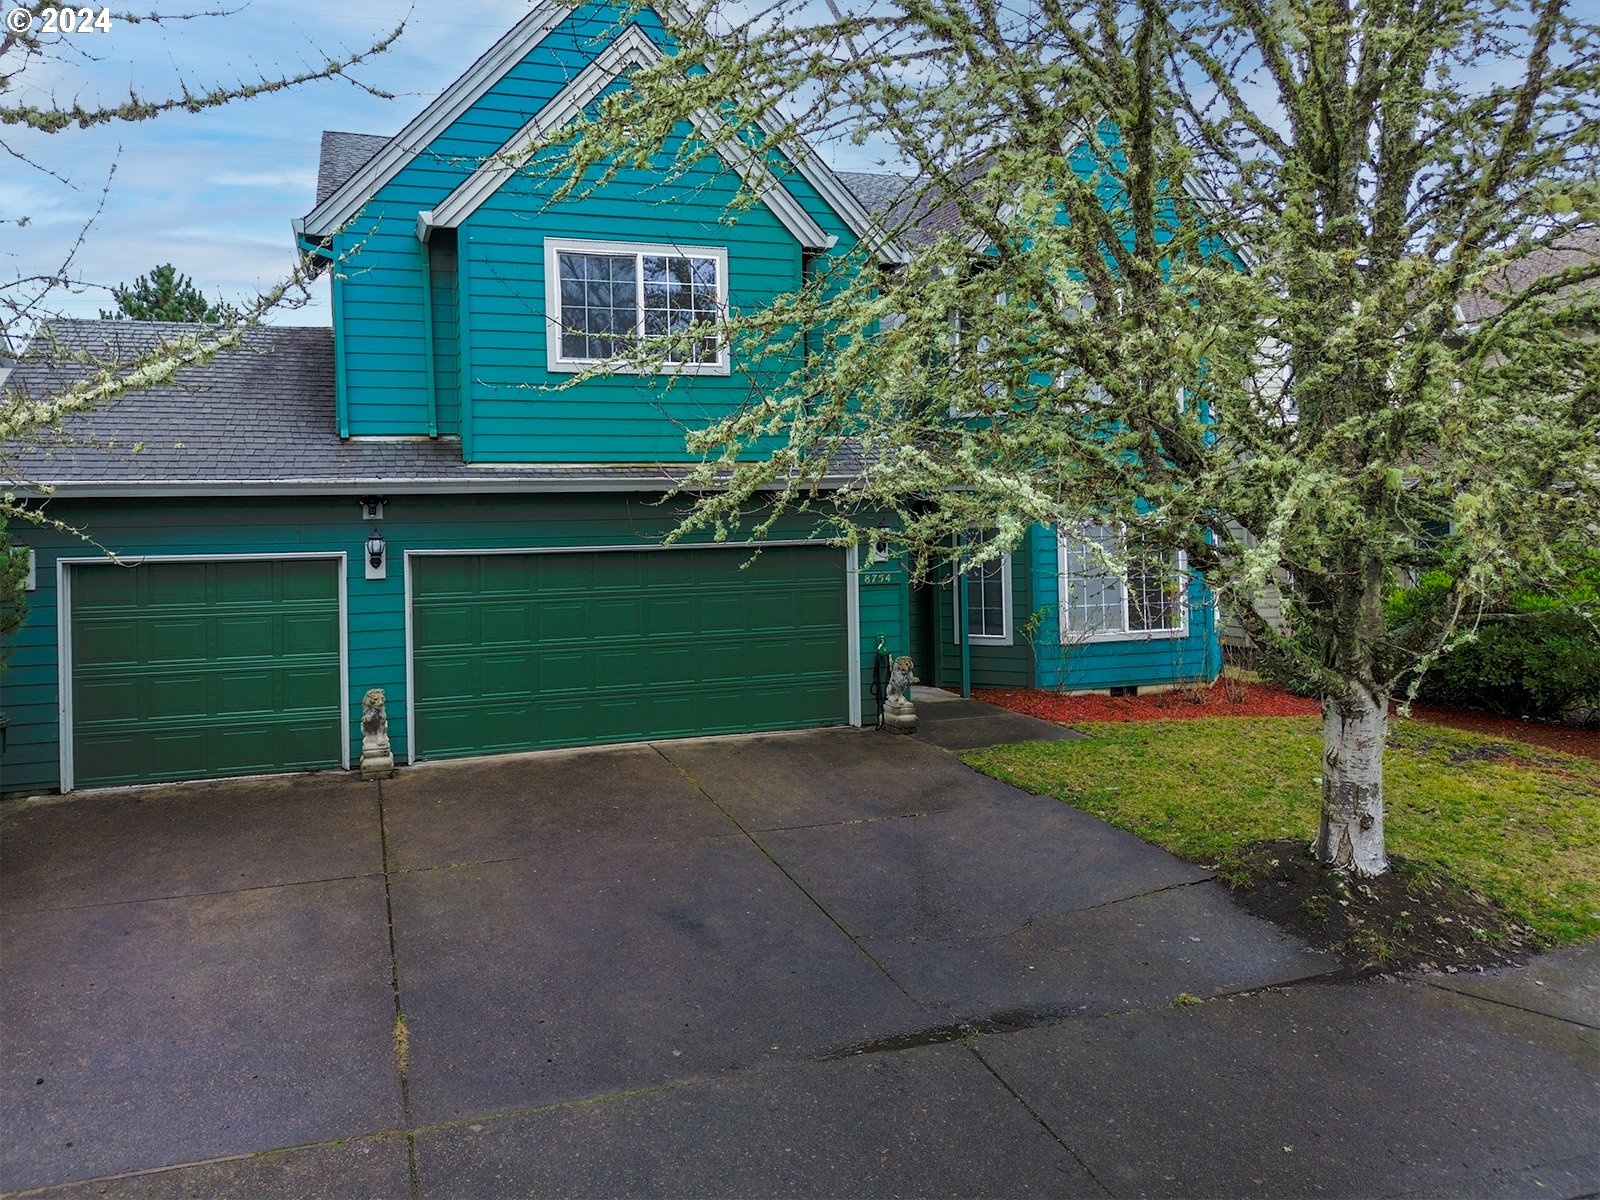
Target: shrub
[(1540, 657)]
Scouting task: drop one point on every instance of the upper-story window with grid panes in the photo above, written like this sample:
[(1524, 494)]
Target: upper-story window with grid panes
[(603, 297)]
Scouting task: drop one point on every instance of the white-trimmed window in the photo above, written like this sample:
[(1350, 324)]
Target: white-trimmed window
[(601, 297), (988, 586), (1098, 604)]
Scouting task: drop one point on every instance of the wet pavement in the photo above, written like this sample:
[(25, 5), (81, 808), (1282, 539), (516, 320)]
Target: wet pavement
[(834, 963)]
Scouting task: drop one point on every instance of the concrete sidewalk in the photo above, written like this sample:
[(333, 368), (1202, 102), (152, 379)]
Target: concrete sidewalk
[(836, 963)]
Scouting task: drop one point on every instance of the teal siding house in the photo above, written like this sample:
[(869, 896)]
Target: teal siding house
[(428, 499)]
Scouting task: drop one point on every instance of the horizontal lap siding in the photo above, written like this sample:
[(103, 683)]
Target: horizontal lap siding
[(496, 356), (519, 410), (382, 264), (28, 689), (1132, 662)]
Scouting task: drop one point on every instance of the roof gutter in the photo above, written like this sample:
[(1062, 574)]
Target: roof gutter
[(97, 489)]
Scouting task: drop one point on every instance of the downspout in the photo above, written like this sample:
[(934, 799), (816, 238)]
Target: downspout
[(341, 405)]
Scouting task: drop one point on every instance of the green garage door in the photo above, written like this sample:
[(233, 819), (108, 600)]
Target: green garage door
[(189, 669), (521, 651)]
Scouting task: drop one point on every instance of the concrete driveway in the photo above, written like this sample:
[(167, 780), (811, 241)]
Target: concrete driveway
[(836, 963)]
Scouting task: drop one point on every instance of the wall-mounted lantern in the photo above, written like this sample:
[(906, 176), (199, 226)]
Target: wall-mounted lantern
[(377, 556), (880, 544)]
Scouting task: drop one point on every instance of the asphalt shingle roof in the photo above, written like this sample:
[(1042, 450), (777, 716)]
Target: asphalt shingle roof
[(260, 414), (343, 154), (1576, 250)]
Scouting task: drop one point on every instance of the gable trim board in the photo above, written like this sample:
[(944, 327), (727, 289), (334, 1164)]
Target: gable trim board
[(346, 201), (64, 657), (630, 48), (852, 633)]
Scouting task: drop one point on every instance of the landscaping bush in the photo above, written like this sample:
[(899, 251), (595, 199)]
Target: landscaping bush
[(1540, 657)]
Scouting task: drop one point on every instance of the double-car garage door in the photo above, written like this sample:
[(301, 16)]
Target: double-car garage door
[(189, 669), (528, 650)]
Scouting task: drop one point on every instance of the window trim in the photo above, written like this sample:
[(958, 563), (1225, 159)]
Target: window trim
[(557, 363), (1071, 636), (957, 580)]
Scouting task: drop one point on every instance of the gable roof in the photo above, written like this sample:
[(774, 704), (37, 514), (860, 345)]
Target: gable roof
[(631, 47), (343, 202)]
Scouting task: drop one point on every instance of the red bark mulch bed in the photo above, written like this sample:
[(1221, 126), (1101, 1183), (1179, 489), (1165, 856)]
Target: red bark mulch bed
[(1237, 698), (1229, 698)]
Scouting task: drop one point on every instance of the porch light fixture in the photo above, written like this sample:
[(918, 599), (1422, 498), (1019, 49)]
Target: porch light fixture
[(880, 544), (377, 553)]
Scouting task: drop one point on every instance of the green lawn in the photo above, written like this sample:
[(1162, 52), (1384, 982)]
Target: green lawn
[(1518, 823)]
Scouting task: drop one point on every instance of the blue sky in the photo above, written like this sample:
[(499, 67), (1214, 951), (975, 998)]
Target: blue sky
[(214, 192)]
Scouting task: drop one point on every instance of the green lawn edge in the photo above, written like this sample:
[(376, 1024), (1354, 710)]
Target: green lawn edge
[(1518, 823)]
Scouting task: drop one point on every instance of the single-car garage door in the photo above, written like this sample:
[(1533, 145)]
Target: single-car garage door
[(183, 670), (527, 650)]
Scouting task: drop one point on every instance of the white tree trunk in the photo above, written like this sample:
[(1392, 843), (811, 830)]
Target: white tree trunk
[(1355, 729)]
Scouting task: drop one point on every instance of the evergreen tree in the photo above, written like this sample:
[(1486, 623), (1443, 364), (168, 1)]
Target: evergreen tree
[(164, 295)]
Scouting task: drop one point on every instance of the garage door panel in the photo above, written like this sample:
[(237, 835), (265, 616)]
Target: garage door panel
[(450, 676), (181, 693), (307, 581), (676, 662), (450, 624), (243, 636), (508, 674), (630, 645), (204, 669), (163, 639), (620, 617), (182, 584), (506, 621), (312, 633), (564, 671), (563, 620), (105, 698), (249, 583), (106, 640)]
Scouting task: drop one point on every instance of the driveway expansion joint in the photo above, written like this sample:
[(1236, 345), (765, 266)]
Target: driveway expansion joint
[(401, 1035), (1444, 984)]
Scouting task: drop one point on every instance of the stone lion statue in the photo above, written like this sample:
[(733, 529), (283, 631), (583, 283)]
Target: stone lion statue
[(374, 720), (900, 680)]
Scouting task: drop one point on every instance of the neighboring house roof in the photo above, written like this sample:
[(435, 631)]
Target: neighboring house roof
[(255, 418), (1577, 250), (343, 154)]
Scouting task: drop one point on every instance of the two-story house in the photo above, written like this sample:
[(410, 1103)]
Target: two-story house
[(430, 498)]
